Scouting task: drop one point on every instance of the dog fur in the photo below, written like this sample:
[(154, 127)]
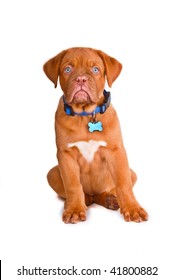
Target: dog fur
[(92, 167)]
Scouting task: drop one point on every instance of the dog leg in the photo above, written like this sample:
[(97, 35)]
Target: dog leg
[(124, 179), (133, 177), (71, 188), (55, 181), (108, 199)]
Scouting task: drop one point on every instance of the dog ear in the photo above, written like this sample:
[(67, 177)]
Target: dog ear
[(112, 66), (51, 67)]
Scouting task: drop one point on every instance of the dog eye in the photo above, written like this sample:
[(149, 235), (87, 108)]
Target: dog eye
[(95, 69), (68, 69)]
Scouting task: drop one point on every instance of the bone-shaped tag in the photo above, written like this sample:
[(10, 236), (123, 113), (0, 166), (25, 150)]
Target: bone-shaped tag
[(95, 126)]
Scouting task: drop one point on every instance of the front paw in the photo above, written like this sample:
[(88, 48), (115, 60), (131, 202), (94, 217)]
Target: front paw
[(134, 213), (74, 214)]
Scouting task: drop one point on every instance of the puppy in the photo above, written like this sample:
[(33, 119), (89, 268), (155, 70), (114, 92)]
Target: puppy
[(92, 161)]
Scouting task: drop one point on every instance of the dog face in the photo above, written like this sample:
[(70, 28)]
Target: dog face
[(82, 76), (82, 73)]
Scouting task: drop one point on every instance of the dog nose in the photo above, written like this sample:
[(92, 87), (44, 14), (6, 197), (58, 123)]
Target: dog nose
[(81, 80)]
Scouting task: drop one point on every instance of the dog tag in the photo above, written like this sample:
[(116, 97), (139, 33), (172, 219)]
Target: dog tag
[(95, 126)]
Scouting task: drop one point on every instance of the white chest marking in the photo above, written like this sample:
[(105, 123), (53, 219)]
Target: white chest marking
[(88, 149)]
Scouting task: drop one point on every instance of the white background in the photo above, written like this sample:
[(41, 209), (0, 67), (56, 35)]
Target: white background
[(139, 35)]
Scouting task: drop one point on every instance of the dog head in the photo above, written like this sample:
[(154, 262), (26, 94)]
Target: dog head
[(82, 73)]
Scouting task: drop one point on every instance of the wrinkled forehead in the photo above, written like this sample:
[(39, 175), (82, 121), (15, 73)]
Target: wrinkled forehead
[(82, 57)]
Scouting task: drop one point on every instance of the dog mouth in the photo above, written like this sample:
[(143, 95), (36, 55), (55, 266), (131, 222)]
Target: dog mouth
[(81, 96)]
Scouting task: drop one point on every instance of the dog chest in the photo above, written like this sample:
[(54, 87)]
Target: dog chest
[(88, 149)]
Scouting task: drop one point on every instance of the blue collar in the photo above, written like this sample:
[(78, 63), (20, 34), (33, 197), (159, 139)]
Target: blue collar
[(99, 109)]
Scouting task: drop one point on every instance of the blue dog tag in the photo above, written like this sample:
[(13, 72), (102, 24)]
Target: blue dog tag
[(95, 126)]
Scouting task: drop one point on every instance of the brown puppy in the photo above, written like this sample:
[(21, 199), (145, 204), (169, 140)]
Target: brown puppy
[(93, 165)]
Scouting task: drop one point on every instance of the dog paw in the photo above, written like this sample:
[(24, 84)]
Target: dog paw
[(134, 214), (111, 202), (72, 216)]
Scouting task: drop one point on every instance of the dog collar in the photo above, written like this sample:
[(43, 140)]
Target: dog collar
[(93, 124), (99, 109)]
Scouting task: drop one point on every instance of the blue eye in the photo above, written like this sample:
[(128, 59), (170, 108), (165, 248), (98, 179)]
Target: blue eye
[(68, 69), (95, 69)]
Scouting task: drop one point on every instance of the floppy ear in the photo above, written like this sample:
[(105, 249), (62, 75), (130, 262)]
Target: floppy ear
[(51, 67), (112, 66)]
